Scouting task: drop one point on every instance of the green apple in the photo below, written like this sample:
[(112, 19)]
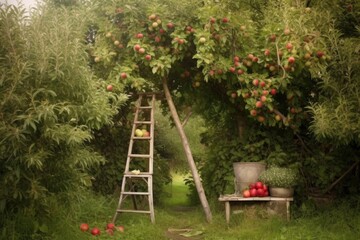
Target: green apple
[(139, 133)]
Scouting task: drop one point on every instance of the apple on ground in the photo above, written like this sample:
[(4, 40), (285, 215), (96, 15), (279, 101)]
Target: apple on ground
[(95, 231), (110, 231), (84, 227), (120, 228), (110, 226)]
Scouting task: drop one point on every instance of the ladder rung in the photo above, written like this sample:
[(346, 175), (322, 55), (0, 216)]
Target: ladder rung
[(136, 193), (142, 122), (145, 107), (143, 174), (139, 155), (142, 138), (132, 211)]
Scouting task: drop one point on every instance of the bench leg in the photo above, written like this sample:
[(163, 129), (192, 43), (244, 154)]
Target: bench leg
[(288, 210), (227, 212)]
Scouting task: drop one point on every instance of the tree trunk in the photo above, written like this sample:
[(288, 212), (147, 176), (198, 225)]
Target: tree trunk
[(188, 153)]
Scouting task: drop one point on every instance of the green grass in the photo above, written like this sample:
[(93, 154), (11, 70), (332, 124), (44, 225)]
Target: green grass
[(176, 192), (341, 221)]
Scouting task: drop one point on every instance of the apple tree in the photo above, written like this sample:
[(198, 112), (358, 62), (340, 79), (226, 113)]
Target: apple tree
[(245, 66)]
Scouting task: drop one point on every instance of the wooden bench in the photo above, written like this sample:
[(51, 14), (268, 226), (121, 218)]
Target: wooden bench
[(228, 198)]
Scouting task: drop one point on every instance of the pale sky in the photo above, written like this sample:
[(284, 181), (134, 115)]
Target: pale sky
[(27, 3)]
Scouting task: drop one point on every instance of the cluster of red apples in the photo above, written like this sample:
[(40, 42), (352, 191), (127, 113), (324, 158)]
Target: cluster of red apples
[(257, 189), (110, 229)]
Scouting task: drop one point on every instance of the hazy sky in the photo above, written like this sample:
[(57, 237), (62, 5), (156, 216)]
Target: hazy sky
[(27, 3)]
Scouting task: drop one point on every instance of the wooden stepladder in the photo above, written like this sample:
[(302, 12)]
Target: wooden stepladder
[(137, 182)]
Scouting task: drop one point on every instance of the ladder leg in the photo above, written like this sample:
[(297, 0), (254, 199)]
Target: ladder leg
[(151, 200), (120, 198)]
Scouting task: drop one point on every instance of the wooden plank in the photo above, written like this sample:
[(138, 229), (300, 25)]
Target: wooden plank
[(132, 211), (225, 198), (136, 193)]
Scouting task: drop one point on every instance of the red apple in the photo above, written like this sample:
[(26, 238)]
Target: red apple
[(263, 98), (181, 41), (273, 91), (253, 112), (260, 192), (148, 57), (84, 227), (137, 47), (236, 59), (287, 31), (225, 20), (139, 35), (120, 228), (259, 104), (212, 20), (110, 231), (170, 25), (258, 185), (319, 54), (261, 119), (246, 193), (95, 231), (233, 95), (123, 75), (262, 84), (232, 69), (289, 46), (253, 192), (291, 60), (157, 39), (109, 88), (267, 52), (255, 82), (240, 71), (252, 185), (265, 92), (272, 37), (110, 226)]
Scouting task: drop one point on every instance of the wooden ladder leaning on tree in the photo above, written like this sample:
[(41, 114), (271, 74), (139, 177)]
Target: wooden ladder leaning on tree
[(138, 174)]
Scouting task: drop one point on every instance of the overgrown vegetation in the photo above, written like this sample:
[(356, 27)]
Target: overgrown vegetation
[(69, 73)]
